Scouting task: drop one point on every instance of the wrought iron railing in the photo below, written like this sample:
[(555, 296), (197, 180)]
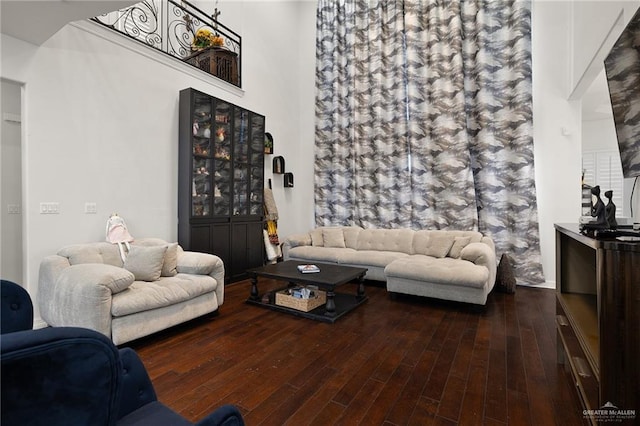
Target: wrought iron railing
[(170, 26)]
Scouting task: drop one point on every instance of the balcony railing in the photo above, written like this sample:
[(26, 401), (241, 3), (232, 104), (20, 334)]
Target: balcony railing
[(170, 27)]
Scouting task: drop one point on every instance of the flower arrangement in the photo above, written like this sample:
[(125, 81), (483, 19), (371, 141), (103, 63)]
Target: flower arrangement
[(205, 38), (218, 41)]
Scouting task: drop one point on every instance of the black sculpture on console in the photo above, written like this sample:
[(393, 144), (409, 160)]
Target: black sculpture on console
[(598, 211), (610, 211)]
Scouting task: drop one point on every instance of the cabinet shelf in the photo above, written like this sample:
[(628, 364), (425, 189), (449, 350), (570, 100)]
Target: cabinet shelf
[(582, 310)]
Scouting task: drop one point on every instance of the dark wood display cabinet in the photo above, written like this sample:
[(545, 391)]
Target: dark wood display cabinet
[(598, 322), (221, 181)]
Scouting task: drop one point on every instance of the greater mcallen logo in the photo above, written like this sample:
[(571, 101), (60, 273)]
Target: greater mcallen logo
[(609, 413)]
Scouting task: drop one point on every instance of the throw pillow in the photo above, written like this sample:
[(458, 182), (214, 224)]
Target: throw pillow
[(333, 237), (170, 265), (440, 243), (351, 236), (505, 279), (145, 263), (316, 238), (458, 244)]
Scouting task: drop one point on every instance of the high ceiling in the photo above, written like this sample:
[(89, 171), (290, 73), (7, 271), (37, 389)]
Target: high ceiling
[(35, 21)]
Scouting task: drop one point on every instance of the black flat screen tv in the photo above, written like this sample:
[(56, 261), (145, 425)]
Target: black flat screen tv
[(622, 67)]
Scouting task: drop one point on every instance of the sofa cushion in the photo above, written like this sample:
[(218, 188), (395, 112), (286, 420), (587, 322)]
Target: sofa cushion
[(333, 237), (458, 244), (432, 243), (103, 252), (386, 240), (370, 257), (316, 238), (170, 257), (144, 296), (438, 271), (170, 265), (114, 278), (318, 254), (351, 236), (145, 262)]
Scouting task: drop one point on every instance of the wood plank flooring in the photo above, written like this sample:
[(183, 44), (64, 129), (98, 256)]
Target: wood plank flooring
[(409, 361)]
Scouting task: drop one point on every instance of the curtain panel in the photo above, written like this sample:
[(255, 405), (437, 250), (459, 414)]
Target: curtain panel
[(424, 120)]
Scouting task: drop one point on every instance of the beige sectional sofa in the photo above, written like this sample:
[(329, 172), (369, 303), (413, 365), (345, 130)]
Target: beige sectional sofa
[(157, 286), (452, 265)]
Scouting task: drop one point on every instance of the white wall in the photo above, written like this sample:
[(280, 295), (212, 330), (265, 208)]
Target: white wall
[(556, 127), (284, 57), (11, 183), (599, 135), (101, 120)]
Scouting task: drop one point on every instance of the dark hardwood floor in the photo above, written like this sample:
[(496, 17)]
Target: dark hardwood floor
[(411, 361)]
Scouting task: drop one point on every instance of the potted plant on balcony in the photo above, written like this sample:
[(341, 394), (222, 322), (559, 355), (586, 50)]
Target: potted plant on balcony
[(204, 39), (209, 54)]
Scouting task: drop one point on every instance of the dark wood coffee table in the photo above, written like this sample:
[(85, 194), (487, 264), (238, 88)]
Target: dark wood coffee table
[(329, 277)]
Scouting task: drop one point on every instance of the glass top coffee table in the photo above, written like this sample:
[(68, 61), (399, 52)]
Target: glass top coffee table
[(329, 277)]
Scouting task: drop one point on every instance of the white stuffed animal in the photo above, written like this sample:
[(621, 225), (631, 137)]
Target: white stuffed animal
[(117, 233)]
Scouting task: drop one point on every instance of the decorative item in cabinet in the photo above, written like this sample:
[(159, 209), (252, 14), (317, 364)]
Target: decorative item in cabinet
[(288, 180), (201, 186), (201, 147), (268, 143), (278, 165)]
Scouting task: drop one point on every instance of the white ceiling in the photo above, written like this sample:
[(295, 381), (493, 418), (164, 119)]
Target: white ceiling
[(35, 21)]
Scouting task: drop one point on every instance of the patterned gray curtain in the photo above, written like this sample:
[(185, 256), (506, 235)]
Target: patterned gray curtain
[(424, 119)]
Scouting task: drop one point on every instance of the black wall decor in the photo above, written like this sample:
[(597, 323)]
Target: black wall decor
[(278, 165), (288, 180), (268, 143)]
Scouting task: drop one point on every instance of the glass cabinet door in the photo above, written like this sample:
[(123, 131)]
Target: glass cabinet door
[(220, 181), (201, 151), (256, 165), (240, 161), (222, 159)]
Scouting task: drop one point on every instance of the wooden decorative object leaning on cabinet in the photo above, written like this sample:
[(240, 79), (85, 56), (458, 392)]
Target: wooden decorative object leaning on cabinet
[(598, 320)]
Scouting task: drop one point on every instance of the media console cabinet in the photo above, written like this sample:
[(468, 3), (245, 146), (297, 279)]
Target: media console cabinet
[(598, 318)]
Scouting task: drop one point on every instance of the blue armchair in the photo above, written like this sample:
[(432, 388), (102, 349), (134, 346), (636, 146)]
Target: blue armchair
[(16, 308), (74, 376)]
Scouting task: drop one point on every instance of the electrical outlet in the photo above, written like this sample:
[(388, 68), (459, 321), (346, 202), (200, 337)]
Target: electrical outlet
[(90, 208), (50, 208), (13, 208)]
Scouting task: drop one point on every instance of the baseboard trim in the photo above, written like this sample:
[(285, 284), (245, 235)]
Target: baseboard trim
[(546, 284)]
